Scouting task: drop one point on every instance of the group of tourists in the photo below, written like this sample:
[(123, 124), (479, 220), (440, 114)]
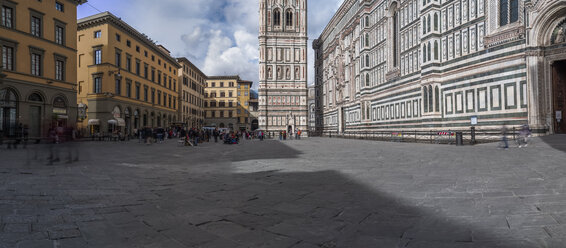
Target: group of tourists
[(283, 134)]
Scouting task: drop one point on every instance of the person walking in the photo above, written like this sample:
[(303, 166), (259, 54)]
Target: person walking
[(525, 133), (504, 141)]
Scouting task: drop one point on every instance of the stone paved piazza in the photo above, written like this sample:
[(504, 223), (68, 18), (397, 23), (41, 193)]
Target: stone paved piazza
[(335, 193)]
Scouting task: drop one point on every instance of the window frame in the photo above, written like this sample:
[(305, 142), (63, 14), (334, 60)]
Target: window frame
[(13, 45), (12, 6), (37, 52), (63, 59), (57, 4), (39, 16), (63, 27)]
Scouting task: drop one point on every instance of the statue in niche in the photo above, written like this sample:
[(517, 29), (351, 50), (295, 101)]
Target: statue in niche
[(288, 73), (559, 36), (278, 72), (296, 73), (269, 72)]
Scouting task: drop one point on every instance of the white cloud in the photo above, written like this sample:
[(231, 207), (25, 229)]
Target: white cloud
[(219, 36)]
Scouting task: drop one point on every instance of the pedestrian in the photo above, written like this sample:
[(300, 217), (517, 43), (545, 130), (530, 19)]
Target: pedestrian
[(504, 141), (525, 133), (299, 134), (280, 135)]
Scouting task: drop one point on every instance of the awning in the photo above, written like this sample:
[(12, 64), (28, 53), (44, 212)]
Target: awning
[(62, 117), (121, 122), (113, 122), (93, 122)]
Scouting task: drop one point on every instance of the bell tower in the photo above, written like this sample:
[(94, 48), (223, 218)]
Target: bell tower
[(283, 65)]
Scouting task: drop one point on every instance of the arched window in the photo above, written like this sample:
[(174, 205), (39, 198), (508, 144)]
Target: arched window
[(289, 18), (35, 98), (435, 21), (424, 53), (428, 52), (437, 99), (430, 109), (425, 100), (508, 11), (367, 79), (277, 17), (367, 21), (8, 112), (395, 38), (367, 40), (424, 2), (424, 25), (436, 50), (367, 60), (428, 22)]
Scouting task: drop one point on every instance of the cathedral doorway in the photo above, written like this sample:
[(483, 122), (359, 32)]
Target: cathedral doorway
[(559, 95)]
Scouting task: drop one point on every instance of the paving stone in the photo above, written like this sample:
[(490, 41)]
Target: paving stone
[(17, 228), (35, 244), (306, 193)]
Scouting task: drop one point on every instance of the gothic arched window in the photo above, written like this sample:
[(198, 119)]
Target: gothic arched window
[(367, 40), (425, 99), (430, 109), (277, 17), (437, 99), (367, 79), (435, 21), (508, 11), (428, 52), (289, 18), (395, 38), (367, 21), (428, 22), (424, 53), (367, 60), (436, 50), (424, 25)]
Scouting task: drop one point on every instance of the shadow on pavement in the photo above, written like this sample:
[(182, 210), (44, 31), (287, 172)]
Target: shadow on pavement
[(557, 141), (111, 206)]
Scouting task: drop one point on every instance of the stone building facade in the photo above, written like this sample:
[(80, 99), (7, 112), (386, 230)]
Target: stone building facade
[(126, 81), (436, 65), (283, 65), (191, 94), (227, 102), (38, 74)]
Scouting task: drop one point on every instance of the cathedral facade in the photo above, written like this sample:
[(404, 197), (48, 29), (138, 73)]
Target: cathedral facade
[(283, 65), (442, 65)]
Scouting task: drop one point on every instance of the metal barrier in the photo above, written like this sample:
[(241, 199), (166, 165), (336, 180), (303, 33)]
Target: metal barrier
[(423, 136)]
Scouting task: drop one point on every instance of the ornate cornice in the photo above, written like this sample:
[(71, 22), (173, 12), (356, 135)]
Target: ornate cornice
[(504, 36)]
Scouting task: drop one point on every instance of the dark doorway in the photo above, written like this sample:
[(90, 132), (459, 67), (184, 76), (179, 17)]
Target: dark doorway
[(559, 98)]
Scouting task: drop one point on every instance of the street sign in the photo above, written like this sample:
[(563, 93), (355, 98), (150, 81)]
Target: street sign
[(474, 120)]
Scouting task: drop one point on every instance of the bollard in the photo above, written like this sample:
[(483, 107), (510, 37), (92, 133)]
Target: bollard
[(459, 139), (473, 136)]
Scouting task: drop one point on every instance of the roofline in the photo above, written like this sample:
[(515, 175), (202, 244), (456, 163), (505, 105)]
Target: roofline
[(183, 59), (237, 77), (107, 17)]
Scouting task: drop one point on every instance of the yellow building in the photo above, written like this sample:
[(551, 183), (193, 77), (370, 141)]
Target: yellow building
[(191, 95), (243, 108), (38, 73), (227, 101), (126, 81)]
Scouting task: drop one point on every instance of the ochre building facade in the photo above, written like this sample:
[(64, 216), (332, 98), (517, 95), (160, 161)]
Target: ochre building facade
[(38, 77), (126, 81), (191, 95), (227, 102), (438, 65)]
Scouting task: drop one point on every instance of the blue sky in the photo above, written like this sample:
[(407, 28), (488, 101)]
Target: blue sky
[(219, 36)]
